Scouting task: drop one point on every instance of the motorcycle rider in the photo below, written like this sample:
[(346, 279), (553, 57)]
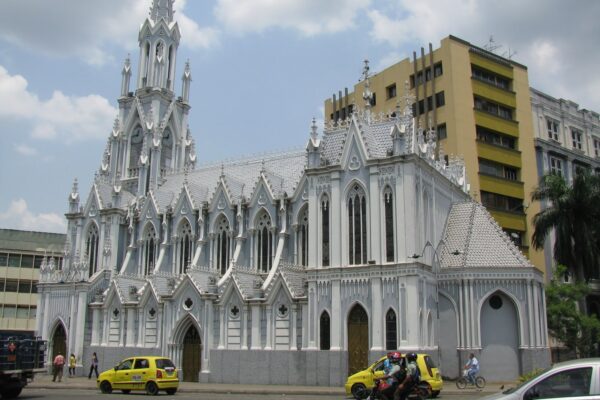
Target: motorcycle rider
[(392, 376), (411, 378)]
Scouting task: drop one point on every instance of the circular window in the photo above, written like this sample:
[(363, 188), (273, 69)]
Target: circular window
[(282, 311), (496, 302), (188, 304), (234, 312)]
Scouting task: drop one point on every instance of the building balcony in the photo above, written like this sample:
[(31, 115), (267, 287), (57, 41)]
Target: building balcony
[(495, 123), (505, 187), (499, 154), (494, 93)]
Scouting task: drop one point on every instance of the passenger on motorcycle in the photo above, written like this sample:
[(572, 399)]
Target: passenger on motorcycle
[(392, 376), (412, 378)]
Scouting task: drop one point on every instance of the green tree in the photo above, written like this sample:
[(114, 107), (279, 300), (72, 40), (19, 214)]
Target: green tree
[(573, 214), (577, 332)]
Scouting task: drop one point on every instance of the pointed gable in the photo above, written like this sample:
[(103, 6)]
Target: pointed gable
[(478, 239)]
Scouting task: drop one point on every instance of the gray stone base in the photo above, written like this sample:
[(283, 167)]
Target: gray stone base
[(532, 359), (277, 367)]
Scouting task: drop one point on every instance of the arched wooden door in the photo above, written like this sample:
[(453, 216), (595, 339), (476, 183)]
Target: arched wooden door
[(358, 340), (192, 352), (59, 342)]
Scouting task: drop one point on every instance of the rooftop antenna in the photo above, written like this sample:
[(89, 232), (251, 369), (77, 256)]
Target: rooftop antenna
[(509, 54), (491, 45)]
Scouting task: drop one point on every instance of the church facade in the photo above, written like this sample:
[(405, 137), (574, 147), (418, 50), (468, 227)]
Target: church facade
[(291, 268)]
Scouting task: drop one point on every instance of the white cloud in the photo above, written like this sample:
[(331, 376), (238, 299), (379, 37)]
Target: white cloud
[(18, 216), (84, 29), (66, 117), (557, 51), (25, 150), (310, 17)]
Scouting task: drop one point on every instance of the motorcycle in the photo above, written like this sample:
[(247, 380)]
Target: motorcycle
[(383, 391)]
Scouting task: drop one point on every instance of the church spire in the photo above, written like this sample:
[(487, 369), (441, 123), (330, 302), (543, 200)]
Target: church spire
[(162, 9)]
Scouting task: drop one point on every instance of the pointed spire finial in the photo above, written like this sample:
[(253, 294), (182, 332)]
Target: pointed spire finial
[(162, 9), (313, 129), (262, 166), (186, 172), (367, 94), (222, 170)]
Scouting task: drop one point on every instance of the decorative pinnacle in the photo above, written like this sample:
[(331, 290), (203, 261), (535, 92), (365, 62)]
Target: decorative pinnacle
[(313, 130), (262, 166), (162, 9), (222, 170), (367, 94), (187, 72), (127, 64), (75, 189)]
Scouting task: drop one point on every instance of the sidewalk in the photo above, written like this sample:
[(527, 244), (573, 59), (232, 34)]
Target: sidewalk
[(44, 381)]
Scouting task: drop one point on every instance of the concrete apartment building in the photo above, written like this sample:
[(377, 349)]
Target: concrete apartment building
[(21, 255), (479, 104)]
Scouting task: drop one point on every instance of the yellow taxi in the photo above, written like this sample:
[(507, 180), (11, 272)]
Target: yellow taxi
[(148, 373), (365, 379)]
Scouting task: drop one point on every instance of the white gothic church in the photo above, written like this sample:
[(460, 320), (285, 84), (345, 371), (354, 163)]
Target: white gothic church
[(291, 268)]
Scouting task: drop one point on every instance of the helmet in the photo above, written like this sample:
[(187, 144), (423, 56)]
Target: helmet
[(411, 357), (394, 356)]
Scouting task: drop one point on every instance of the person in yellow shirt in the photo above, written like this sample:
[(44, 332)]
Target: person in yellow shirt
[(72, 363)]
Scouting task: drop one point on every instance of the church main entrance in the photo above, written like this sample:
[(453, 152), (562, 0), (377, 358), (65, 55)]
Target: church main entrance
[(59, 342), (358, 340), (192, 351)]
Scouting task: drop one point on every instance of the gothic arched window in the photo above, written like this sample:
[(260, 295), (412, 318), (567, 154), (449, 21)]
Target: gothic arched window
[(91, 248), (184, 246), (391, 330), (166, 152), (325, 230), (388, 202), (324, 332), (357, 226), (149, 246), (135, 150), (303, 237), (223, 244), (264, 243)]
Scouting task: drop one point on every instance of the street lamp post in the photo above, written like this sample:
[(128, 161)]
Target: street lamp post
[(435, 267)]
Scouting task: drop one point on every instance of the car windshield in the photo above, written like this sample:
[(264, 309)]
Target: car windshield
[(520, 385)]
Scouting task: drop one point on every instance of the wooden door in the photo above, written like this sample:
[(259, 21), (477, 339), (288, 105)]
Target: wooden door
[(192, 351), (59, 343), (358, 340)]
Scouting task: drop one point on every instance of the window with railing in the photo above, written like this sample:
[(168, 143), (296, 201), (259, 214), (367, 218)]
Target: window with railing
[(501, 202), (493, 168), (495, 138), (552, 128), (489, 77), (556, 165), (493, 108), (577, 137)]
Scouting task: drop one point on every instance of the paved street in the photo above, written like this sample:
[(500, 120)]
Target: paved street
[(65, 393)]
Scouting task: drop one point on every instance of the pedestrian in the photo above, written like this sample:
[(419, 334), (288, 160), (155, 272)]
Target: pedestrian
[(58, 365), (72, 363), (94, 366)]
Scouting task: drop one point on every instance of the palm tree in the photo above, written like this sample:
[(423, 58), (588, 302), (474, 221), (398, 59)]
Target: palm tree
[(573, 214)]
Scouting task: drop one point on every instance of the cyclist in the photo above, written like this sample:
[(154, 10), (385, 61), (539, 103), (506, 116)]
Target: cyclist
[(472, 368)]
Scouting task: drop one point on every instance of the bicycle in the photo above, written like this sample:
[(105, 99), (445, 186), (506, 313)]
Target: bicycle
[(464, 381)]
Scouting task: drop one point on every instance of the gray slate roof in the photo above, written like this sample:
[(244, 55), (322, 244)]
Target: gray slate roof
[(472, 231), (375, 136)]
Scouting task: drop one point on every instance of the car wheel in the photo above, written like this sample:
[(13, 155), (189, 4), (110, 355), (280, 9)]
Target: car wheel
[(11, 393), (358, 391), (126, 391), (105, 387), (151, 389), (435, 393), (171, 391)]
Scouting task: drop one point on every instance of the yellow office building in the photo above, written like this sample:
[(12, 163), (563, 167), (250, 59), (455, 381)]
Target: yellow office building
[(479, 103), (21, 255)]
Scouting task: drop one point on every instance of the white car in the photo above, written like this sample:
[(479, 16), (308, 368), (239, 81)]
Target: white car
[(576, 379)]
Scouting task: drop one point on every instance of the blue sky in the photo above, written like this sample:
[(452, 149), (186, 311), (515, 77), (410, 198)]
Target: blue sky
[(261, 70)]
